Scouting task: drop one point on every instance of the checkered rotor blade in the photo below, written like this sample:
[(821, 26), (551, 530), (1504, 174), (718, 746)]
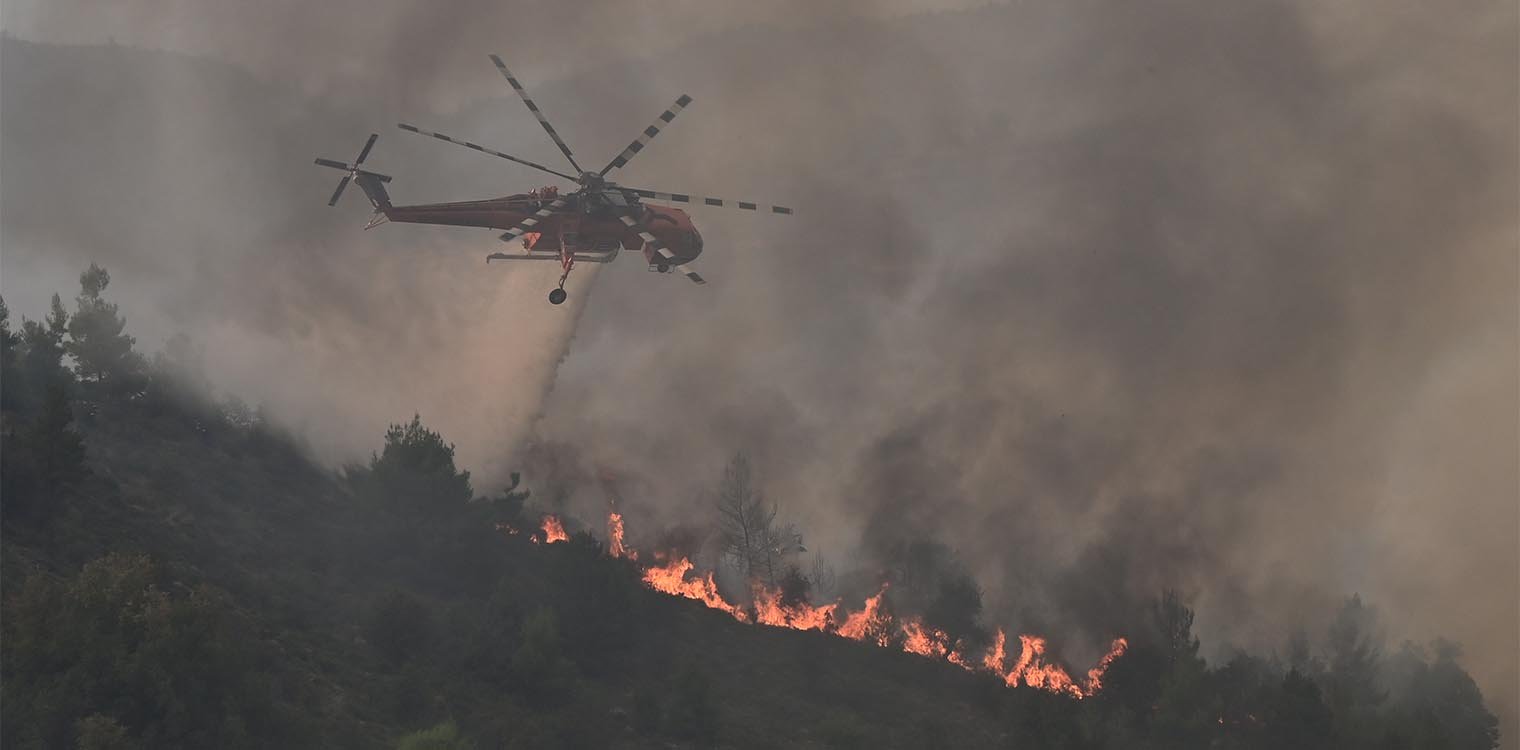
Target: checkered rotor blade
[(501, 66), (526, 225), (705, 201), (648, 134), (659, 247), (483, 150)]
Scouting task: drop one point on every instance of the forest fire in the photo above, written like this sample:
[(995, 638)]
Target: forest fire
[(615, 538), (671, 579), (771, 610), (872, 624), (554, 531)]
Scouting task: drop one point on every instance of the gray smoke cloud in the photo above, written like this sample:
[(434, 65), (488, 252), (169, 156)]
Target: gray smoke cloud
[(1107, 297)]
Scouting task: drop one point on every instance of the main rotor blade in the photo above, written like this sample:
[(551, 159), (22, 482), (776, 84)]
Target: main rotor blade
[(339, 192), (484, 150), (648, 134), (659, 247), (333, 164), (501, 66), (697, 199), (532, 221), (369, 144)]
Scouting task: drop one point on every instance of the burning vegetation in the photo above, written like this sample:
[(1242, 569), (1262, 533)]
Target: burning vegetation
[(758, 547), (873, 623), (554, 530)]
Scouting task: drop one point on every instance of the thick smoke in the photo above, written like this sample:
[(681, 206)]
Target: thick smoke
[(1107, 297)]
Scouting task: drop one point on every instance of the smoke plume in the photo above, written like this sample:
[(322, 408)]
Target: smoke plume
[(1108, 297)]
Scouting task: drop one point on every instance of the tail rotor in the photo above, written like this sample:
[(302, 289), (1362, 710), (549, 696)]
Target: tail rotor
[(353, 170)]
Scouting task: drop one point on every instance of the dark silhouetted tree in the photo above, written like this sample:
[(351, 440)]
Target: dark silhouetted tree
[(1351, 678), (41, 457), (37, 360), (823, 580), (415, 470), (1173, 622), (1300, 654), (1186, 707), (1435, 703), (10, 358), (507, 507), (956, 609), (748, 534), (101, 349), (1298, 716), (794, 588)]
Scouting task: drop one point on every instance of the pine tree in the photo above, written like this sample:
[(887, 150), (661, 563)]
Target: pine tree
[(416, 469), (41, 457), (101, 349), (10, 357)]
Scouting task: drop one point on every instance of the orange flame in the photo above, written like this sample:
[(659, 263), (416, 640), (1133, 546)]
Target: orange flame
[(615, 538), (993, 661), (770, 611), (1032, 669), (924, 642), (1095, 675), (554, 531), (871, 624), (671, 579)]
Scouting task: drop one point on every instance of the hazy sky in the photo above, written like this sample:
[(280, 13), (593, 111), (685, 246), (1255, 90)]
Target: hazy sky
[(1108, 297)]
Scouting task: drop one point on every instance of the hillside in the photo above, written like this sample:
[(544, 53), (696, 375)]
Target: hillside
[(176, 573)]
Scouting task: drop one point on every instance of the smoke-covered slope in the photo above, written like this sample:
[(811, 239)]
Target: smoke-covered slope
[(176, 572), (1186, 295)]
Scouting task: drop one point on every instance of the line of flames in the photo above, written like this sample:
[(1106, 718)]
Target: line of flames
[(871, 624)]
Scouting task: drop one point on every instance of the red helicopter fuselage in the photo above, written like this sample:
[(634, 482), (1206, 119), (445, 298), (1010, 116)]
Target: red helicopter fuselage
[(588, 232)]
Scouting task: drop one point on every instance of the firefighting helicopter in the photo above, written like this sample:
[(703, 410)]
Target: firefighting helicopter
[(590, 225)]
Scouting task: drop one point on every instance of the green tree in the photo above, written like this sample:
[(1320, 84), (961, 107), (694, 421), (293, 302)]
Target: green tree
[(1298, 716), (1436, 703), (1173, 622), (444, 736), (174, 670), (416, 470), (41, 458), (506, 508), (1186, 704), (794, 588), (10, 357), (36, 360), (956, 609), (101, 349), (1352, 673)]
